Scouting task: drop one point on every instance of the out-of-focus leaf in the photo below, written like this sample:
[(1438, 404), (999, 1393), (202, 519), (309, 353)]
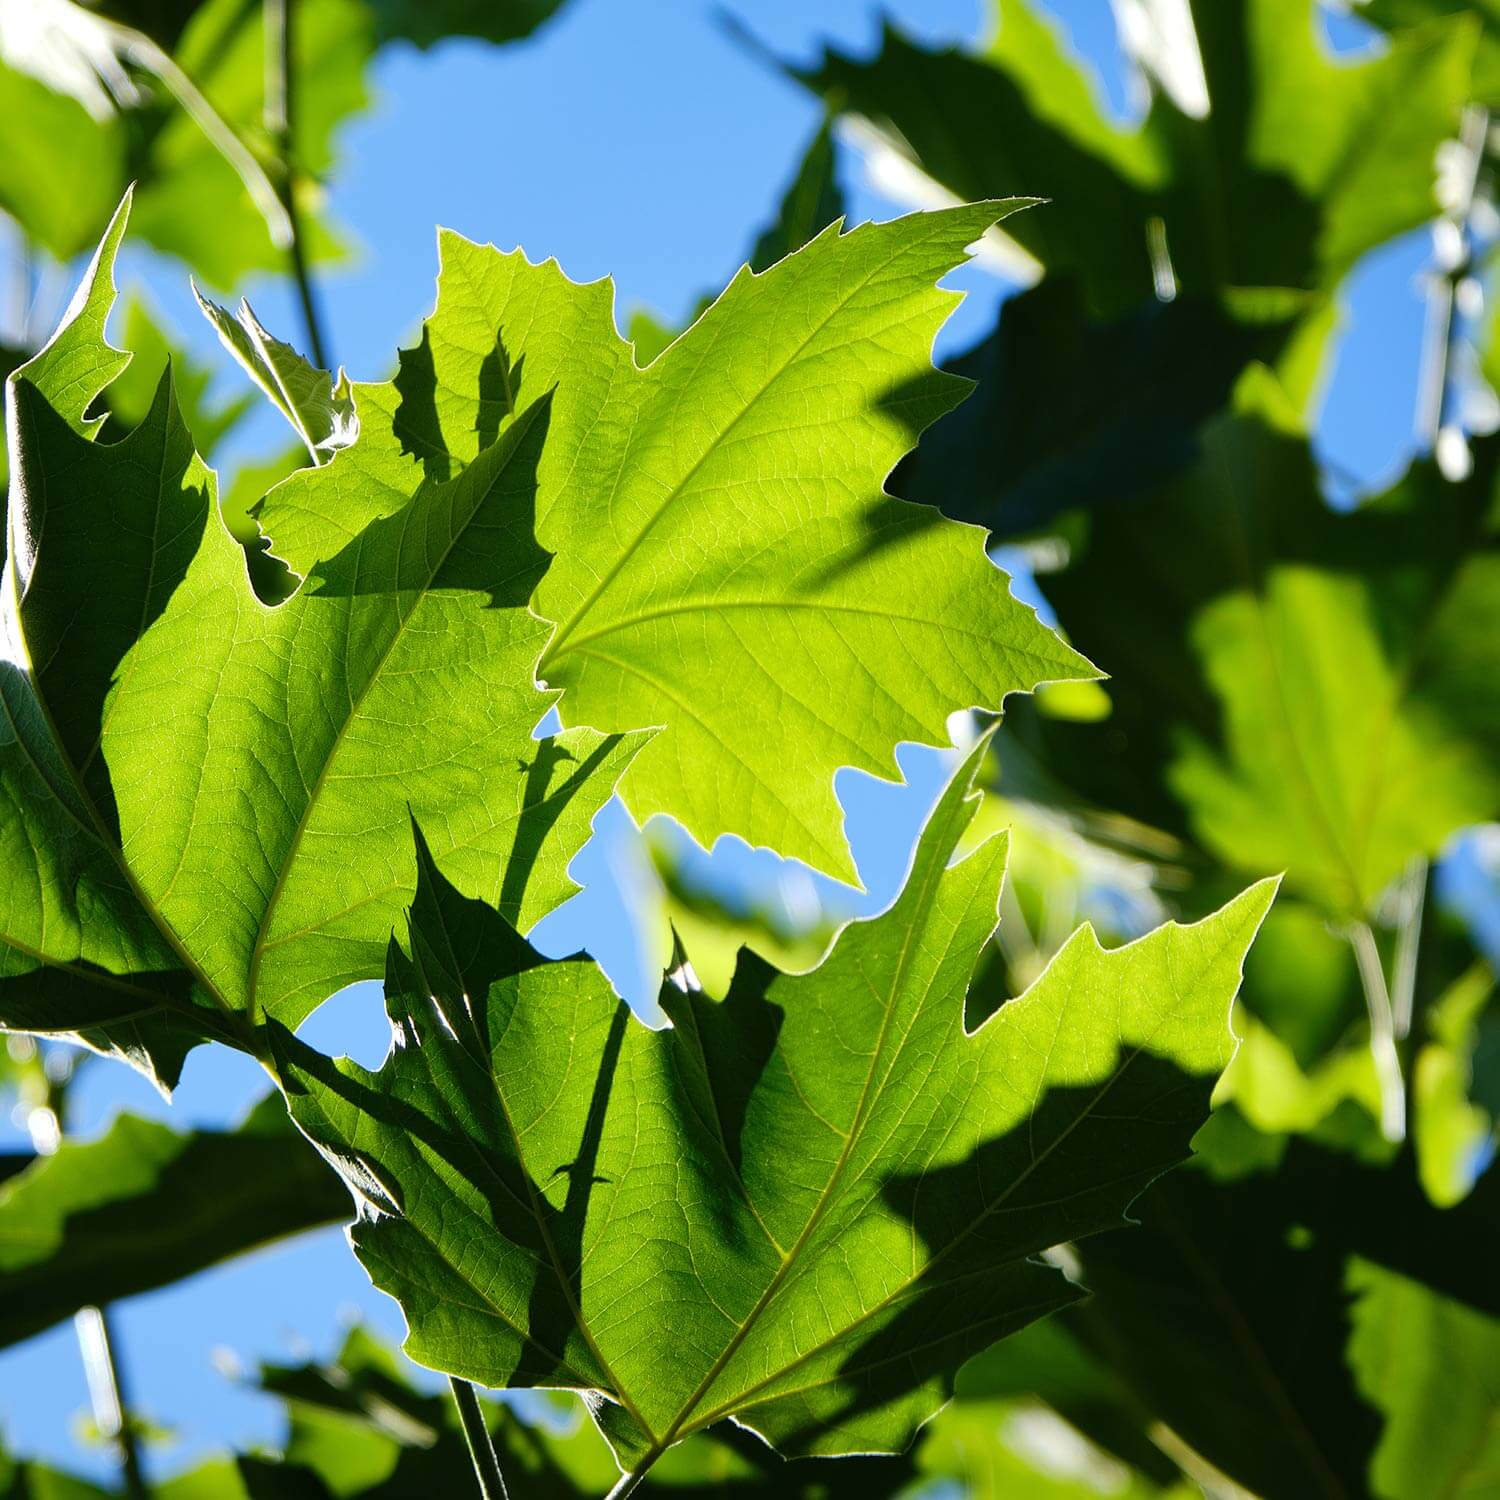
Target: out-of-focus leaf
[(1319, 688), (362, 1427), (52, 139), (191, 202), (132, 391), (1431, 1367), (144, 1206), (21, 1480), (1077, 412), (1026, 115), (1230, 1325), (427, 22), (1010, 1450), (1397, 15), (723, 550), (852, 1217), (1227, 1315), (1453, 1133), (1047, 1363), (1278, 167)]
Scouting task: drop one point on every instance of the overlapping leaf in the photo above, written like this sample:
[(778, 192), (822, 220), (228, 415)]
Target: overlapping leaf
[(144, 1206), (726, 562), (1269, 164), (1260, 1376), (1316, 691), (1178, 248), (206, 799), (820, 1196), (1429, 1365)]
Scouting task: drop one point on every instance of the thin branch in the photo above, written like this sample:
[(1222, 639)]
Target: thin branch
[(106, 1394), (1454, 255), (145, 53), (477, 1435), (1382, 1032), (281, 125)]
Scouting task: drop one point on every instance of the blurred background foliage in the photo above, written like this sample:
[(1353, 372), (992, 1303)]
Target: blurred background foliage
[(1303, 678)]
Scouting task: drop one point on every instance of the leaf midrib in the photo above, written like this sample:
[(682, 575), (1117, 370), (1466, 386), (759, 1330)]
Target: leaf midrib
[(514, 433), (739, 1403), (930, 879), (566, 627)]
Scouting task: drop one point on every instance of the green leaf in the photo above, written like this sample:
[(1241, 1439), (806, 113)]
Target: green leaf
[(1014, 1450), (1045, 1362), (1250, 1277), (54, 140), (1398, 15), (1305, 691), (259, 866), (34, 1481), (723, 548), (427, 22), (821, 1195), (1432, 1368), (319, 408), (1299, 164), (192, 203), (1455, 1133), (145, 1205), (1253, 1375), (1077, 412)]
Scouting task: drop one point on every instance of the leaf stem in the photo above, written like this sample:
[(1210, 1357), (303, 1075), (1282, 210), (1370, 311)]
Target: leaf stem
[(106, 1394), (1382, 1032), (477, 1435), (631, 1482), (280, 118), (1408, 939)]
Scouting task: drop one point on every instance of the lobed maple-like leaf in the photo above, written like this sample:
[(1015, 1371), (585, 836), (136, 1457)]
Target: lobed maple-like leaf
[(1263, 162), (726, 563), (199, 790), (803, 1207)]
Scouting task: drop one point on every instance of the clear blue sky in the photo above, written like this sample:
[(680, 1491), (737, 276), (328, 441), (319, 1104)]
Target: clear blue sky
[(636, 141)]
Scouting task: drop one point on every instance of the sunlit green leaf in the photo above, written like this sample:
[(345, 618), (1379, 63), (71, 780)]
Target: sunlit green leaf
[(260, 864), (852, 1184)]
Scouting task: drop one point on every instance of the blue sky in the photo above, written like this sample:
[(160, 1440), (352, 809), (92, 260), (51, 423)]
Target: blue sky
[(637, 141)]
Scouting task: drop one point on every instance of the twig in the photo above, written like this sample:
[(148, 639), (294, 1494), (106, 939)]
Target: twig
[(106, 1394), (477, 1435), (145, 53), (1454, 253), (281, 88)]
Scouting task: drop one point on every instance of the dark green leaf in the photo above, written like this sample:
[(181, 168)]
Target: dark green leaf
[(144, 1206)]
